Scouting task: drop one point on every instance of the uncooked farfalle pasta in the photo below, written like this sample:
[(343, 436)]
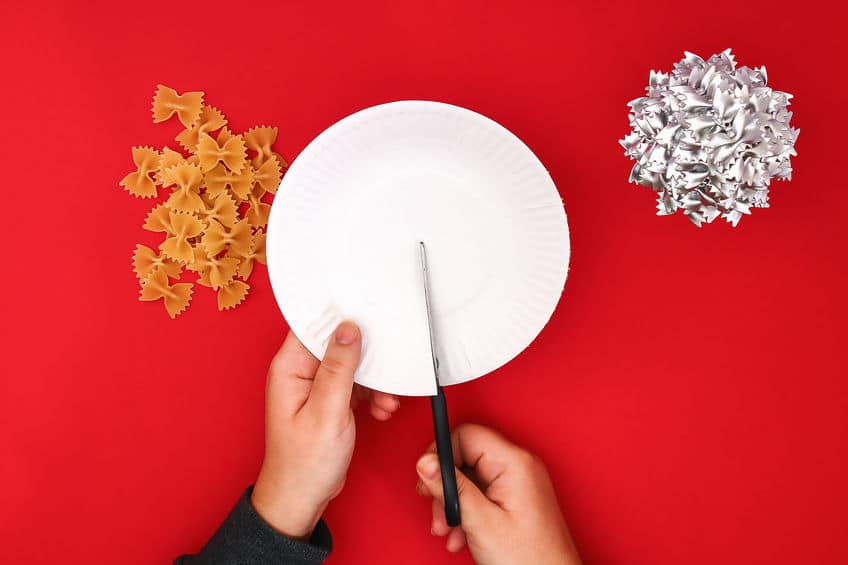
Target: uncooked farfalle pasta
[(214, 217)]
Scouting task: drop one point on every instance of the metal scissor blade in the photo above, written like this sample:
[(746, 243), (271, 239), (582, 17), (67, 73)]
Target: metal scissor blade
[(438, 404), (426, 279)]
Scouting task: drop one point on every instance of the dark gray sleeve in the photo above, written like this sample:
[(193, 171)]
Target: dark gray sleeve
[(246, 539)]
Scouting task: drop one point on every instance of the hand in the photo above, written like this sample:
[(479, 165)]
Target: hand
[(310, 430), (508, 505)]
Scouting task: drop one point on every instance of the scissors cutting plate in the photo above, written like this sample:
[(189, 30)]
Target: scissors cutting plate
[(440, 412)]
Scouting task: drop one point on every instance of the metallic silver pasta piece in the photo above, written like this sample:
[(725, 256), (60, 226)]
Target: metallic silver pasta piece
[(709, 137)]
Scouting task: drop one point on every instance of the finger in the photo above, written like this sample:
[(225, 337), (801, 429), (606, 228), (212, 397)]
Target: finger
[(485, 450), (439, 525), (386, 402), (333, 384), (290, 377), (456, 540), (496, 466), (475, 507), (379, 413)]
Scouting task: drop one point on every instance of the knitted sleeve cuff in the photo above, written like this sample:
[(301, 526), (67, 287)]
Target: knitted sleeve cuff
[(245, 537)]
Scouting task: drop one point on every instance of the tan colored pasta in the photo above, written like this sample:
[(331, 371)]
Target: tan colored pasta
[(231, 153), (260, 140), (256, 253), (177, 246), (268, 176), (219, 179), (166, 103), (220, 208), (186, 180), (235, 240), (232, 294), (224, 135), (140, 182), (211, 119), (146, 261), (176, 296), (213, 221), (214, 270), (159, 220), (257, 211), (169, 159)]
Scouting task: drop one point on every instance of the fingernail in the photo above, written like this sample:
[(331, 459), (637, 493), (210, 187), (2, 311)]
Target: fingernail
[(428, 467), (346, 333)]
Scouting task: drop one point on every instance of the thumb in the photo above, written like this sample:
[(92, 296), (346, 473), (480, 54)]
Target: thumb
[(474, 505), (333, 383)]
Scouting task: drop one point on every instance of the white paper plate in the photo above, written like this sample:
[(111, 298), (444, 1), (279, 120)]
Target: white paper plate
[(345, 226)]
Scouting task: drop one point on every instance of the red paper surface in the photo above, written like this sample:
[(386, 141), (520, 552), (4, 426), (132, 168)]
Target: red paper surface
[(689, 394)]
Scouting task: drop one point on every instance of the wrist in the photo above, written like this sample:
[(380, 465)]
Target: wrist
[(285, 510)]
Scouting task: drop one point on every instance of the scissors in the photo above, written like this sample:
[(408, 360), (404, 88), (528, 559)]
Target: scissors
[(440, 413)]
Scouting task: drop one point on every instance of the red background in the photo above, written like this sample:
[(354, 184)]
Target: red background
[(689, 394)]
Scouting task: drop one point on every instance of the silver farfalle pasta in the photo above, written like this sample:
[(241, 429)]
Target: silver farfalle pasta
[(709, 138)]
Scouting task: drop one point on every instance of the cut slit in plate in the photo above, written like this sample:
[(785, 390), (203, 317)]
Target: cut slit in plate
[(344, 233)]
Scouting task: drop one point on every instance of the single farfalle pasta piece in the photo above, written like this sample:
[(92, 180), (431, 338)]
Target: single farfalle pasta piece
[(257, 212), (256, 253), (232, 153), (186, 180), (211, 119), (141, 182), (236, 240), (176, 296), (268, 176), (167, 102), (146, 261), (221, 271), (260, 141), (213, 270), (709, 138), (219, 179), (220, 208), (159, 220), (178, 246), (230, 294)]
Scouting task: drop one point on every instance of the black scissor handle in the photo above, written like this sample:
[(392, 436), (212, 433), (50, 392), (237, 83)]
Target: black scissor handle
[(445, 451)]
